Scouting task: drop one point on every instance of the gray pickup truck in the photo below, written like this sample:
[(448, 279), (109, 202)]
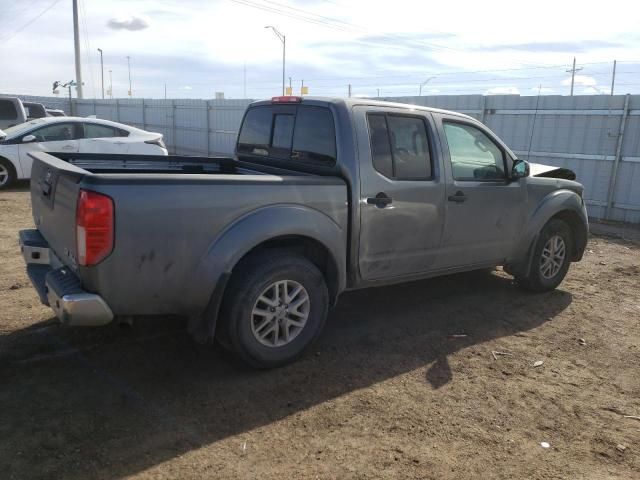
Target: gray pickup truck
[(322, 196)]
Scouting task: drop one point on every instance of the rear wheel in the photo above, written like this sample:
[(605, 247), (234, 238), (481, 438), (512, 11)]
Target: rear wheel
[(7, 174), (275, 307), (551, 257)]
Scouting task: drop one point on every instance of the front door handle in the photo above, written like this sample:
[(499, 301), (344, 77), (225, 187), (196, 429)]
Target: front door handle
[(381, 200), (68, 147), (459, 197)]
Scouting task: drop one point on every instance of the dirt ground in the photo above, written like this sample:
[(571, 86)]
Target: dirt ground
[(388, 392)]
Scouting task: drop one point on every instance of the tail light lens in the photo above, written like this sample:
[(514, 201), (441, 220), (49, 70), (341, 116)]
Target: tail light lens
[(156, 141), (94, 227)]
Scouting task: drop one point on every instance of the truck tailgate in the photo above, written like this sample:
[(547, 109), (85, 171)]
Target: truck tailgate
[(54, 194)]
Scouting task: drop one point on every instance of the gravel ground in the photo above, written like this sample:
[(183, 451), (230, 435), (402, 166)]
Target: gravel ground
[(402, 384)]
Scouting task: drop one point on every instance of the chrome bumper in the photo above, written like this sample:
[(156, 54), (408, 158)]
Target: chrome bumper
[(59, 287)]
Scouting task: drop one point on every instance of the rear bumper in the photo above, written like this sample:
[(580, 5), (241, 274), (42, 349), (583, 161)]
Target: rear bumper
[(59, 287)]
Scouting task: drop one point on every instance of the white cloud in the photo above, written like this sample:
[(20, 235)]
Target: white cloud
[(503, 91), (584, 80), (131, 23), (186, 87)]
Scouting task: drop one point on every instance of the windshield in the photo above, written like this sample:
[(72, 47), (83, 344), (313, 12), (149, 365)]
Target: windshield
[(23, 127)]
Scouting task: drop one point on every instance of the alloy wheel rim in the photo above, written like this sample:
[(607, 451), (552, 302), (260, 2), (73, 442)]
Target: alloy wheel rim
[(280, 313), (552, 257)]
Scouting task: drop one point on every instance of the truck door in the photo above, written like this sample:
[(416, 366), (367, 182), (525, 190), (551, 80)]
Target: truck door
[(484, 209), (401, 192)]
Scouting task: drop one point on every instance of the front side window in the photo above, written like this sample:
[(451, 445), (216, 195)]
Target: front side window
[(94, 130), (474, 156), (58, 132), (400, 146)]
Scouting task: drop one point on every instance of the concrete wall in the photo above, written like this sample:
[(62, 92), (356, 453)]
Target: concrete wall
[(583, 133)]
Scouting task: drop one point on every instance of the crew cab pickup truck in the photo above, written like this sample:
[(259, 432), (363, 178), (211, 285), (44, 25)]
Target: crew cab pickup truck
[(322, 196)]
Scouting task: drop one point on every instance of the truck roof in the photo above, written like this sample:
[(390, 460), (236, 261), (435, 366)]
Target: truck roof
[(354, 101)]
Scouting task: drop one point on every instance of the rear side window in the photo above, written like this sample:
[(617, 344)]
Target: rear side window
[(300, 133), (8, 110), (93, 130), (400, 146)]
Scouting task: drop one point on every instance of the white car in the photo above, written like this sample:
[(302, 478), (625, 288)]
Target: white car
[(69, 134)]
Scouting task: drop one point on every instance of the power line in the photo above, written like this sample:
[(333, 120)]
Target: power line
[(25, 25)]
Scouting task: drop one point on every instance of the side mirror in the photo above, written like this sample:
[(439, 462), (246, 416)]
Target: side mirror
[(28, 138), (520, 169)]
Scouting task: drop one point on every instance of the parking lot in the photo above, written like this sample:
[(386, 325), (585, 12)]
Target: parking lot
[(433, 379)]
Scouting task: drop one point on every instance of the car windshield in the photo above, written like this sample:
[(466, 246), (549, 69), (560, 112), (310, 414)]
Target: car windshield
[(23, 127)]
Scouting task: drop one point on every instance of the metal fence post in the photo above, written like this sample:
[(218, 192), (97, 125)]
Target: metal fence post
[(616, 160), (95, 111), (117, 110), (483, 107), (208, 113), (144, 116), (173, 127)]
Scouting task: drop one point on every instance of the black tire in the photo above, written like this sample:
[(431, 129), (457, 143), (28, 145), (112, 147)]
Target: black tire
[(535, 280), (6, 182), (249, 281)]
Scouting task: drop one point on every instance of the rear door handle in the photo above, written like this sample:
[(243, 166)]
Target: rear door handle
[(459, 197), (381, 200), (68, 147)]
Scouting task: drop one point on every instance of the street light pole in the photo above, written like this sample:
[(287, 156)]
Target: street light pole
[(101, 72), (424, 83), (129, 67), (283, 39), (110, 85)]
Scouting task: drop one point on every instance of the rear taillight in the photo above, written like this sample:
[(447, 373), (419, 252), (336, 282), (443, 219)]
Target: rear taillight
[(156, 141), (94, 227)]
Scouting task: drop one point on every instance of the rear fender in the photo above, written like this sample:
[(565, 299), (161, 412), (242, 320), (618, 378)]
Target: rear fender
[(248, 232)]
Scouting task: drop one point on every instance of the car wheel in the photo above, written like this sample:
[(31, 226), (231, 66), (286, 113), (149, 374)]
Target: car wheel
[(551, 257), (275, 307), (7, 174)]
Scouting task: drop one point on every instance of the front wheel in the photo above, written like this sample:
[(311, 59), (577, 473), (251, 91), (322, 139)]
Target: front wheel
[(275, 307), (551, 257), (7, 174)]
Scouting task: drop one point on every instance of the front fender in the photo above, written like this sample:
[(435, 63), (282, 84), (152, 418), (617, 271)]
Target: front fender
[(556, 202), (257, 227)]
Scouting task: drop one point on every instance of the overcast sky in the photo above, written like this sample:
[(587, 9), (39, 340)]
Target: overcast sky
[(199, 47)]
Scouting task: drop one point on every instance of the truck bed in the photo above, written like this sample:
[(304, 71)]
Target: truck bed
[(169, 214)]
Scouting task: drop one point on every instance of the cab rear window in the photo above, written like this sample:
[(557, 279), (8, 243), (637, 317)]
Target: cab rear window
[(300, 133)]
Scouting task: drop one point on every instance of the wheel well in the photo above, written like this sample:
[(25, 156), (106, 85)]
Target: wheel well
[(309, 248), (10, 165), (576, 225)]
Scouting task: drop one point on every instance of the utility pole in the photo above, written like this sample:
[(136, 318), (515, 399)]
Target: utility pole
[(110, 85), (573, 74), (244, 80), (101, 72), (76, 46), (378, 93), (613, 77), (283, 39), (129, 66), (349, 90)]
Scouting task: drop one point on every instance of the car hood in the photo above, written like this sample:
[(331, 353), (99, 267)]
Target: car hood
[(549, 171)]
